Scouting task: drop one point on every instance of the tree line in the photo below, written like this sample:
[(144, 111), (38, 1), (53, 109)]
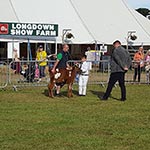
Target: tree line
[(144, 11)]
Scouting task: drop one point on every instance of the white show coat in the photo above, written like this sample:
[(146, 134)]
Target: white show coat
[(83, 78)]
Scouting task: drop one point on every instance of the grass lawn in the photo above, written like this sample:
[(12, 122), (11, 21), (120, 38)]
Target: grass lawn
[(29, 120)]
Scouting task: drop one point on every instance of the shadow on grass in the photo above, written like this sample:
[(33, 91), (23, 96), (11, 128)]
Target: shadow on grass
[(117, 99), (45, 92), (75, 92), (62, 93), (99, 94)]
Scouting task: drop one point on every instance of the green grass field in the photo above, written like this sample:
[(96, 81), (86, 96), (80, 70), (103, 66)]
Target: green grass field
[(29, 120)]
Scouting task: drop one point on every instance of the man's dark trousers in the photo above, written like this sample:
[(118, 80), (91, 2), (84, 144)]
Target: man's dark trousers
[(114, 77), (137, 71)]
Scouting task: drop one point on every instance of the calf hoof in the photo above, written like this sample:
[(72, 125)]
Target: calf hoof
[(69, 96), (51, 95)]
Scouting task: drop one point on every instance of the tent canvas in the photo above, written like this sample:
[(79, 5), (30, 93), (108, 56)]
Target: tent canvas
[(101, 21)]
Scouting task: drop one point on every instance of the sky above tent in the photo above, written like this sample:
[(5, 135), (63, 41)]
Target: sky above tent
[(139, 3)]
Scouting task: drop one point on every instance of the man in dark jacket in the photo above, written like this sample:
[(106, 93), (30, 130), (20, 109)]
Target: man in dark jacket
[(61, 63), (120, 62), (62, 59)]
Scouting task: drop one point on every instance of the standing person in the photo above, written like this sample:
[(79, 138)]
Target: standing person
[(61, 63), (147, 66), (84, 75), (16, 65), (120, 62), (138, 63), (89, 57), (41, 58)]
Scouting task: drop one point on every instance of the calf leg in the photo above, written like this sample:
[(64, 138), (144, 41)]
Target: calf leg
[(50, 89), (70, 90)]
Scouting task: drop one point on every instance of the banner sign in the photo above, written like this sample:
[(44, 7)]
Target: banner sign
[(28, 29)]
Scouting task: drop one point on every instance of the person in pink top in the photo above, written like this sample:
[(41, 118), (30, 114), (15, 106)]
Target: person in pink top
[(147, 66)]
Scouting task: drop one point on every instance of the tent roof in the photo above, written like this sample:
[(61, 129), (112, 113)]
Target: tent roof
[(89, 21)]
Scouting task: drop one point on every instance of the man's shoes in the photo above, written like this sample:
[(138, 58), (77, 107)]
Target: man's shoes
[(81, 95), (103, 98), (123, 99)]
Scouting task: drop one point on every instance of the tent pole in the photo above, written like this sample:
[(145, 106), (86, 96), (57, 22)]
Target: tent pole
[(55, 47), (12, 48), (45, 45), (28, 51), (95, 49)]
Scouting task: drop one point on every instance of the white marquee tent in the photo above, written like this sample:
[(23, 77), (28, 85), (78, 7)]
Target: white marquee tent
[(102, 21)]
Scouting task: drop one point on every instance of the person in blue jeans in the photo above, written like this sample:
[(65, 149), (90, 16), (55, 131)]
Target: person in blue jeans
[(41, 58)]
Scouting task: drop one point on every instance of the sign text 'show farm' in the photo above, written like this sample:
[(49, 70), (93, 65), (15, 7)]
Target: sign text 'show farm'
[(29, 29)]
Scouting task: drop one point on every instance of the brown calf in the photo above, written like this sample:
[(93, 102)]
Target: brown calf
[(65, 76)]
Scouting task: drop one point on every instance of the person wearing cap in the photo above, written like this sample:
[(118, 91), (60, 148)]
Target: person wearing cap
[(41, 58), (138, 63), (120, 63)]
